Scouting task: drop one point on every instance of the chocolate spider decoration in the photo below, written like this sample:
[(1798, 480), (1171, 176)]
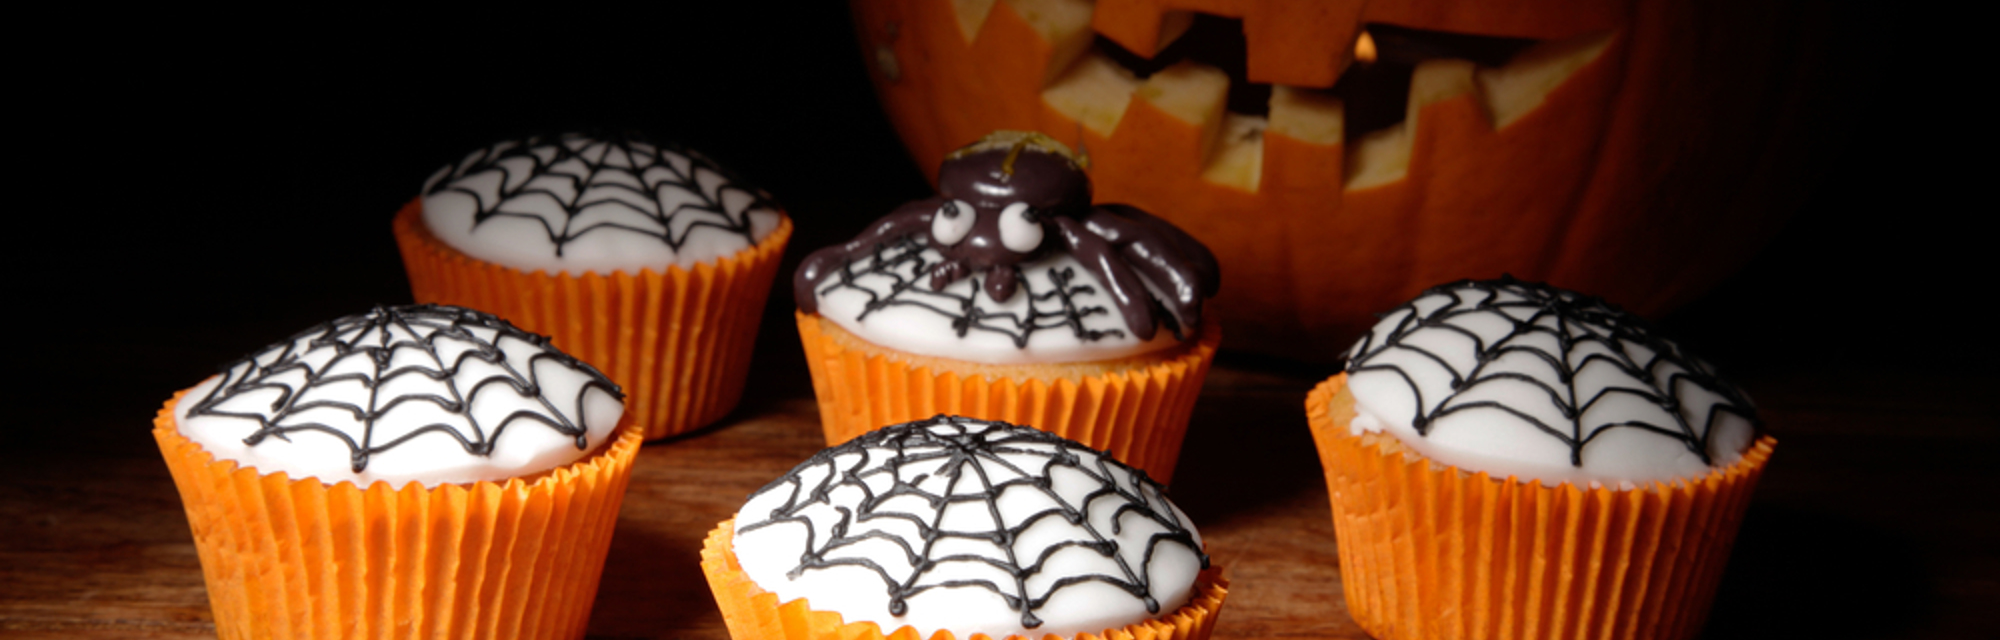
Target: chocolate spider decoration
[(1015, 197)]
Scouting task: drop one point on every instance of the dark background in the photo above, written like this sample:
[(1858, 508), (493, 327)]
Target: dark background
[(179, 178), (187, 192), (223, 187)]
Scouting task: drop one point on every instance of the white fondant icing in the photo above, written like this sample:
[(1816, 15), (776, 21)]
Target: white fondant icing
[(922, 320), (615, 205), (1409, 361), (874, 468), (303, 381)]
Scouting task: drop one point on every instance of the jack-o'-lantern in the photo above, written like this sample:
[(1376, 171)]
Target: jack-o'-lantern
[(1633, 150)]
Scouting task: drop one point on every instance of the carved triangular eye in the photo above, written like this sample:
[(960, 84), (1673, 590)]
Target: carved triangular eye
[(953, 221), (1375, 93), (1020, 228)]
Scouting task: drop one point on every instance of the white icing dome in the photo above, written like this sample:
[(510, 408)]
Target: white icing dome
[(973, 527), (424, 393), (1060, 314), (577, 203), (1522, 379)]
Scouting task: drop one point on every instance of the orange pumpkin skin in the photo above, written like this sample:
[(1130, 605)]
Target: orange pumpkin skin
[(1647, 176)]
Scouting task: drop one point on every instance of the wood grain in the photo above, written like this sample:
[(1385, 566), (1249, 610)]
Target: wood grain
[(94, 545)]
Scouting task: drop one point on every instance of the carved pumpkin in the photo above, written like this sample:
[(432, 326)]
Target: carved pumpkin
[(1636, 150)]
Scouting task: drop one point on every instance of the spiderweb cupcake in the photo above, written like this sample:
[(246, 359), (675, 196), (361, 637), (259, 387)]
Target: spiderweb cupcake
[(961, 528), (1011, 297), (1507, 459), (643, 257), (417, 471)]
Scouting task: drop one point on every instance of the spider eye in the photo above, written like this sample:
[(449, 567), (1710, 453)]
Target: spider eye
[(1020, 228), (952, 222)]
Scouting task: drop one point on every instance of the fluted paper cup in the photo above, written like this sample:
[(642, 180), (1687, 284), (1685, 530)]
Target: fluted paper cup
[(288, 558), (678, 340), (1139, 413), (1436, 552)]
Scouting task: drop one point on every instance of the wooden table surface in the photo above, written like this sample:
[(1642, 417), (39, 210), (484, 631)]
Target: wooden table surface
[(1875, 518)]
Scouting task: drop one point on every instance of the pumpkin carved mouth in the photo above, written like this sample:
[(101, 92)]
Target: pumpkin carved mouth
[(1292, 74), (1633, 150)]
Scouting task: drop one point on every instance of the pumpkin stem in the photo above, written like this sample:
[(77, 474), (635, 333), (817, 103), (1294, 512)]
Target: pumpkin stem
[(1013, 153), (1015, 142)]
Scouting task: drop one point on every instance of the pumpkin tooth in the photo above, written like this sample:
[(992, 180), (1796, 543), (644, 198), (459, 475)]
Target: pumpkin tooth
[(1095, 93), (1303, 44), (1305, 142), (971, 15), (1505, 93), (1238, 159), (1437, 81), (1378, 158), (1140, 26), (1382, 157), (1304, 146), (1064, 26), (1297, 43), (1307, 116), (1514, 90), (1193, 93)]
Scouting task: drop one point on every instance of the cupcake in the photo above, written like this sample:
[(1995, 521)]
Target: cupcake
[(642, 257), (1507, 459), (1010, 297), (960, 528), (417, 471)]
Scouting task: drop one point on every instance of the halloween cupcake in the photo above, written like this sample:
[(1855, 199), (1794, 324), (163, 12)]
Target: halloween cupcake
[(417, 471), (642, 257), (1507, 459), (961, 528), (1010, 297)]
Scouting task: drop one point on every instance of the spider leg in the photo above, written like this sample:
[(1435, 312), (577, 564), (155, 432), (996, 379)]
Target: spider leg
[(911, 218), (1182, 270), (1001, 280), (947, 272), (1104, 260)]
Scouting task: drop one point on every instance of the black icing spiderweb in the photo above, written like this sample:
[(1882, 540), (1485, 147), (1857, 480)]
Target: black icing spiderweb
[(904, 264), (1587, 333), (618, 183), (979, 462), (445, 357)]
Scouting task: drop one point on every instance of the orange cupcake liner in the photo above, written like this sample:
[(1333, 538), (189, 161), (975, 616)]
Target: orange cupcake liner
[(678, 341), (1432, 551), (290, 558), (1140, 415), (755, 614)]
